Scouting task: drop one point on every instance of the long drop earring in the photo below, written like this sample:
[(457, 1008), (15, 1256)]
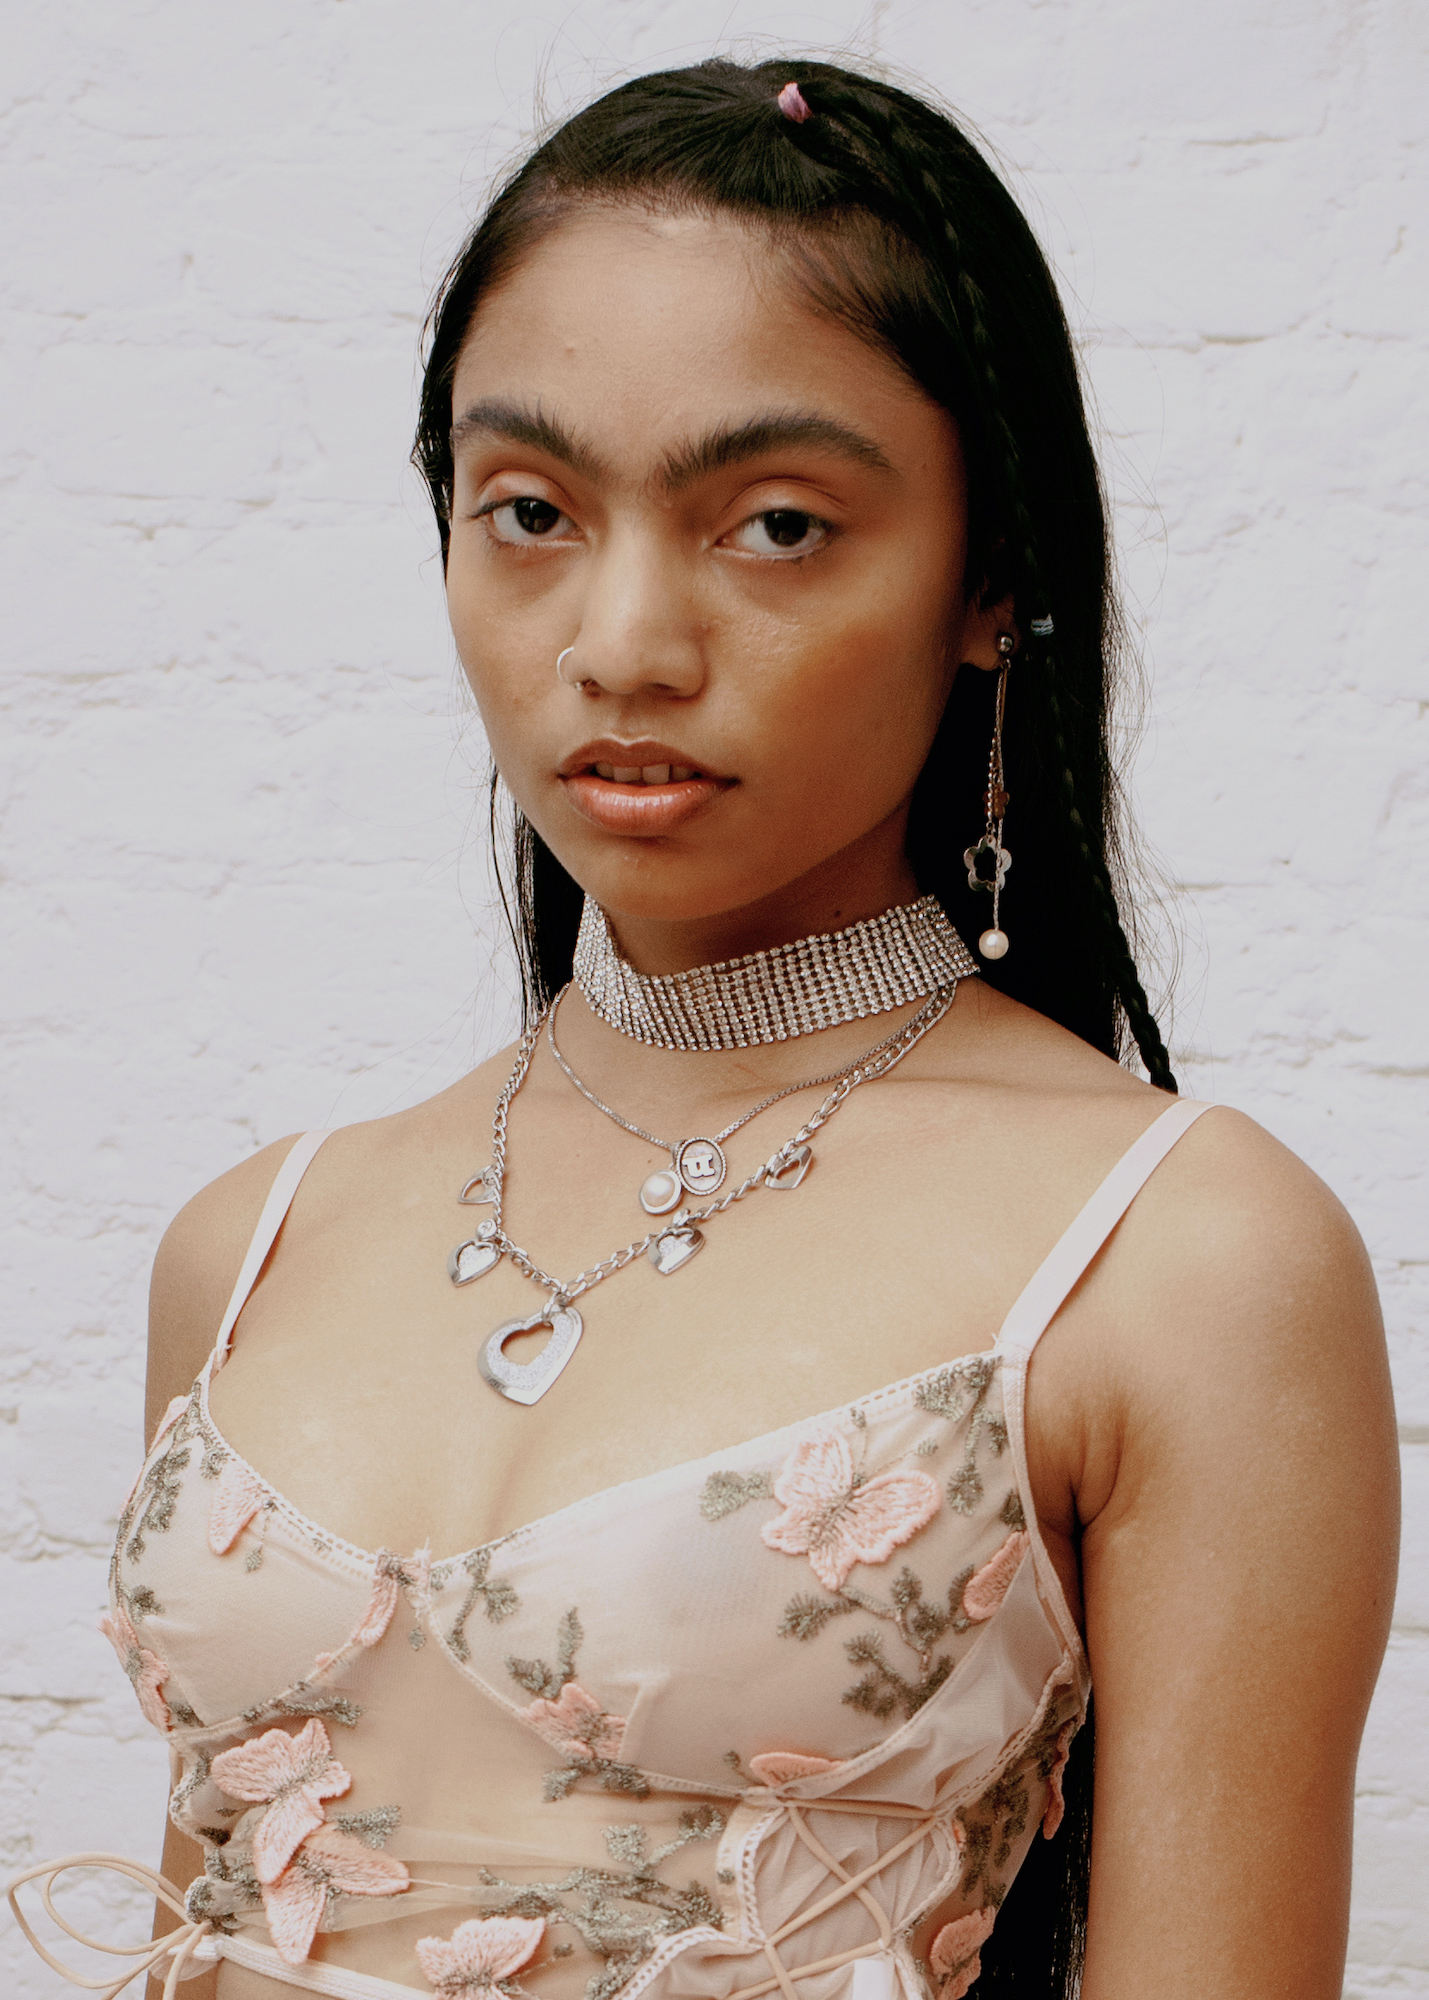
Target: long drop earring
[(988, 861)]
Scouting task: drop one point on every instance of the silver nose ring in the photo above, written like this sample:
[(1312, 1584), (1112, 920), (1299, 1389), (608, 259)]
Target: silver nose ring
[(561, 658)]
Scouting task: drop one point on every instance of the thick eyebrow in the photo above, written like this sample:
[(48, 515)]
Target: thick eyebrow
[(730, 444), (777, 431), (495, 417)]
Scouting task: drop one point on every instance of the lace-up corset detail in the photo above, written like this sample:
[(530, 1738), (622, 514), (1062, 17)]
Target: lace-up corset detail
[(731, 1729)]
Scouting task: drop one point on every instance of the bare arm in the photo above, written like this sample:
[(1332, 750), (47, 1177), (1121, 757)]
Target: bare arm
[(194, 1273), (1239, 1562)]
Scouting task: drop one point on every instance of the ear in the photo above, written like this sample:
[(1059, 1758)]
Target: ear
[(983, 625)]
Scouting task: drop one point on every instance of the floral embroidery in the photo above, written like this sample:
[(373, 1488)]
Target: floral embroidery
[(479, 1954), (326, 1863), (391, 1575), (291, 1775), (959, 1393), (954, 1956), (724, 1492), (145, 1669), (574, 1721), (500, 1599), (159, 1487), (782, 1767), (838, 1519), (589, 1900), (237, 1496), (983, 1592)]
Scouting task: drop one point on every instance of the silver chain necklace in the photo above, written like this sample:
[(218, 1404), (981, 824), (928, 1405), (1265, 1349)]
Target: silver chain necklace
[(669, 1247), (771, 996), (697, 1166)]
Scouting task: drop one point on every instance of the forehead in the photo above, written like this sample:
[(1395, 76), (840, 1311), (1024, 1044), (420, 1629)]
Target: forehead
[(644, 327)]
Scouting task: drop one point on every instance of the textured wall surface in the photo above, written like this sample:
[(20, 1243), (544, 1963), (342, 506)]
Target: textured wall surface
[(243, 892)]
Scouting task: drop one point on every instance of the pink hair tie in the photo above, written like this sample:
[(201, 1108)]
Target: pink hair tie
[(791, 103)]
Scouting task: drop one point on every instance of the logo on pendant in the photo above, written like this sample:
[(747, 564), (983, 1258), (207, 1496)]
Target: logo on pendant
[(700, 1165)]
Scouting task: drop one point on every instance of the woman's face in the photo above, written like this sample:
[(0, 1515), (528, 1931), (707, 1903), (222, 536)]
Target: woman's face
[(749, 527)]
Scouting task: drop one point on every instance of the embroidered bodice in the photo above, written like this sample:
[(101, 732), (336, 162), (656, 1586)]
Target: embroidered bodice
[(732, 1729)]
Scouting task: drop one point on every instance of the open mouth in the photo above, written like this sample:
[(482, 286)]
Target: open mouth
[(646, 774), (652, 794)]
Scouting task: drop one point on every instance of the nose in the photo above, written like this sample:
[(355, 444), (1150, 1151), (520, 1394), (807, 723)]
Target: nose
[(638, 630)]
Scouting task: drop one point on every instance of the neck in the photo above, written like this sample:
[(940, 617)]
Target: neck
[(830, 897)]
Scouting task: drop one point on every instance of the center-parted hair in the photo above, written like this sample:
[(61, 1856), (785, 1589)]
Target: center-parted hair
[(890, 219)]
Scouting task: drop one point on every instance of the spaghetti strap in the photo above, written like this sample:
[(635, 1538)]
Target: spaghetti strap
[(275, 1209), (1041, 1299)]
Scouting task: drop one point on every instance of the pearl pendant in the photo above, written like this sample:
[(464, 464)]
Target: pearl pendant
[(993, 944)]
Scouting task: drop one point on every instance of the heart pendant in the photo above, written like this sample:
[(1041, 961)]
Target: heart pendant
[(786, 1171), (472, 1259), (480, 1188), (528, 1381), (672, 1251)]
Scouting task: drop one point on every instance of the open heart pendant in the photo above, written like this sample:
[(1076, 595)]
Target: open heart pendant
[(673, 1249), (528, 1381), (787, 1169), (475, 1257)]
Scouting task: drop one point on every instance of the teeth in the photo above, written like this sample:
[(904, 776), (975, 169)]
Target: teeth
[(646, 774)]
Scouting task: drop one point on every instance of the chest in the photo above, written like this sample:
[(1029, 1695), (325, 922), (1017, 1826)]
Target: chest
[(353, 1382)]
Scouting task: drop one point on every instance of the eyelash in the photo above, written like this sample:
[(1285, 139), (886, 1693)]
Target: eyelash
[(826, 528)]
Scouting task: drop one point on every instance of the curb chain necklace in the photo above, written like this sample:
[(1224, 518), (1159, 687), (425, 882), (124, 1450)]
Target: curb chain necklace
[(668, 1247), (697, 1166)]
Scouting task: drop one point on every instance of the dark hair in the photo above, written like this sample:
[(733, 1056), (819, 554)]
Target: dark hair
[(892, 220)]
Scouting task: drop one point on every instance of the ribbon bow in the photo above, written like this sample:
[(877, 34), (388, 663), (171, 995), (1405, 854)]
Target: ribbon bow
[(184, 1946)]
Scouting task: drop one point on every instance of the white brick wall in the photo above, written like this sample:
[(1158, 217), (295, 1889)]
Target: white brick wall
[(241, 896)]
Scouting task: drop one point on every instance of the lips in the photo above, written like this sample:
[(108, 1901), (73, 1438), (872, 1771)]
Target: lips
[(642, 789)]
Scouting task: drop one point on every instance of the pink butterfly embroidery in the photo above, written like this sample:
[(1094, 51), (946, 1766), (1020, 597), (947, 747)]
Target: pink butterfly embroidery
[(576, 1723), (145, 1669), (478, 1953), (326, 1863), (986, 1590), (290, 1774), (954, 1955), (1056, 1804), (236, 1499), (837, 1523), (782, 1767)]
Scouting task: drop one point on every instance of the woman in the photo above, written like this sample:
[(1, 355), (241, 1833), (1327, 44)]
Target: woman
[(777, 563)]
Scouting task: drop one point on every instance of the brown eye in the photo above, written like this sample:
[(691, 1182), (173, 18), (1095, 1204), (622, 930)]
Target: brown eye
[(785, 528), (536, 517), (521, 522), (781, 531)]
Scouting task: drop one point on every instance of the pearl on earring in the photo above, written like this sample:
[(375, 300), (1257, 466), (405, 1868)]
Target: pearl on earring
[(993, 944)]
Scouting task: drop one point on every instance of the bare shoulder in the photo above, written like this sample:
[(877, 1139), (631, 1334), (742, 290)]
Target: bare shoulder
[(203, 1248), (195, 1271), (1234, 1345)]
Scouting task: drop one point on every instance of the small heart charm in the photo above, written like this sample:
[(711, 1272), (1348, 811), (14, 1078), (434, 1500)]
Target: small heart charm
[(481, 1187), (526, 1382), (787, 1170), (670, 1252), (472, 1259)]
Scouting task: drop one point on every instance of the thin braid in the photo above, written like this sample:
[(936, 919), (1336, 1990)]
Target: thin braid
[(968, 316)]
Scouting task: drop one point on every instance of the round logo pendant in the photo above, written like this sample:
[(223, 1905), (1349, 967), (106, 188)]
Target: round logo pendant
[(701, 1166)]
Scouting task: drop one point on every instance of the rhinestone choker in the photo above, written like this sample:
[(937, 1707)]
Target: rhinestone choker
[(771, 996)]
